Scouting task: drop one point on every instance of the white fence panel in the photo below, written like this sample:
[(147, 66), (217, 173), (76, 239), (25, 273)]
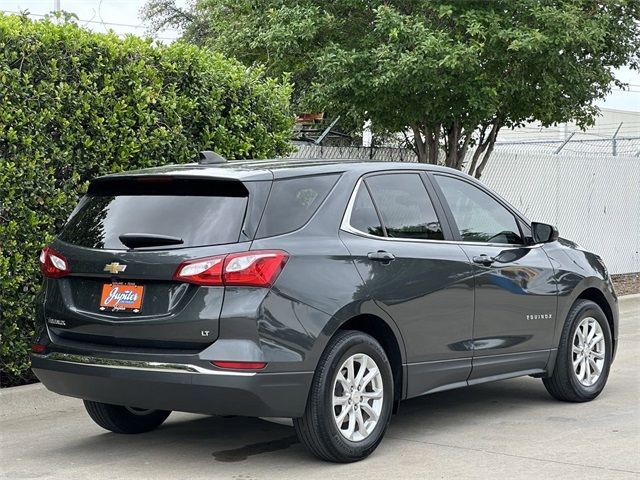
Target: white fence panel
[(594, 201)]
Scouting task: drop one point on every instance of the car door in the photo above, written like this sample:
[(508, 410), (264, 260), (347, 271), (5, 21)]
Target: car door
[(515, 291), (397, 237)]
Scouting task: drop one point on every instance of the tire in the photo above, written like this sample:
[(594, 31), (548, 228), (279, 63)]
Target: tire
[(124, 419), (564, 384), (318, 429)]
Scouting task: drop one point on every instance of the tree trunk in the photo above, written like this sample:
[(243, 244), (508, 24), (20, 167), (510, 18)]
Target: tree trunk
[(484, 148), (491, 141), (419, 144), (426, 143)]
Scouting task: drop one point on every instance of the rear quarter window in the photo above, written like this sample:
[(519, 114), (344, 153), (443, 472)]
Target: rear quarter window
[(292, 202)]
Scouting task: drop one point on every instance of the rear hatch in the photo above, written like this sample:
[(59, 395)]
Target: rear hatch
[(123, 245)]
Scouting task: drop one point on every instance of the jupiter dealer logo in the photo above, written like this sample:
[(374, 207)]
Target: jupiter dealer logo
[(119, 297)]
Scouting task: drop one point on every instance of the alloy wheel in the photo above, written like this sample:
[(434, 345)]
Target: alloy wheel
[(588, 351), (358, 396)]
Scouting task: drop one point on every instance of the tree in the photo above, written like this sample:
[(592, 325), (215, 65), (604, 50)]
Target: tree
[(449, 74)]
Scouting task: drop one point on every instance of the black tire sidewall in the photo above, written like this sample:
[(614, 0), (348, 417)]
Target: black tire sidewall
[(356, 343), (588, 309)]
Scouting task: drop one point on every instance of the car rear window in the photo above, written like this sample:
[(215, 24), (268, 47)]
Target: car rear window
[(200, 212), (292, 202)]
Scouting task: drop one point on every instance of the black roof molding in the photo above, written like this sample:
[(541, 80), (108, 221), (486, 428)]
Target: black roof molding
[(207, 157)]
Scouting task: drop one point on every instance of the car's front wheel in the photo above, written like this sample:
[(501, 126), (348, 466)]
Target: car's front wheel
[(350, 402), (584, 355), (124, 419)]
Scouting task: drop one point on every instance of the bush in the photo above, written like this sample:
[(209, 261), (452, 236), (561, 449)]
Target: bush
[(75, 105)]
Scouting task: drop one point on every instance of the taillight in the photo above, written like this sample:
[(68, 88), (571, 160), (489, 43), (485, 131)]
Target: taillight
[(53, 264), (258, 268), (204, 271), (240, 365)]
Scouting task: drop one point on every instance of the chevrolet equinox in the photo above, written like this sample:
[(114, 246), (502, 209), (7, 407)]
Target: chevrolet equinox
[(321, 291)]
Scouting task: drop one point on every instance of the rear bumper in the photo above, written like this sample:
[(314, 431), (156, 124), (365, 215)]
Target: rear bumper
[(174, 386)]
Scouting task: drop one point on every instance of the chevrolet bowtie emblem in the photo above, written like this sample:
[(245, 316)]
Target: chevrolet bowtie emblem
[(114, 267)]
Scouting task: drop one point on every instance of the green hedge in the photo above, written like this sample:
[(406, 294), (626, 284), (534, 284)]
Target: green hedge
[(75, 105)]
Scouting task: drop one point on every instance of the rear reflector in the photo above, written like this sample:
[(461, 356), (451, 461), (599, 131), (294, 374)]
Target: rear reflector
[(240, 365), (53, 264), (38, 348), (259, 268)]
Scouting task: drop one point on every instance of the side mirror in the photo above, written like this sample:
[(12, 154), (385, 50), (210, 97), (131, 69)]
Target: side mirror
[(543, 232)]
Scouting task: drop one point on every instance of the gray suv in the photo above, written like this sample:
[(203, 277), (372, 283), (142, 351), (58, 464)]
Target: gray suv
[(324, 292)]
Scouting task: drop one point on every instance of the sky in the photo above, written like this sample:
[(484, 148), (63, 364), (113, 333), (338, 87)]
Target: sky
[(123, 16)]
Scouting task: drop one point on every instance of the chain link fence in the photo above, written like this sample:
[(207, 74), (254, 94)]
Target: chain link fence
[(577, 143), (381, 154)]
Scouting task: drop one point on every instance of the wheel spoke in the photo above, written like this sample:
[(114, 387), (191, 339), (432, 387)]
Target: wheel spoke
[(591, 331), (370, 376), (369, 411), (597, 354), (350, 372), (587, 368), (373, 395), (339, 400), (360, 421), (345, 383), (577, 349), (577, 361), (595, 341), (343, 414), (581, 370), (352, 424), (361, 371), (594, 365)]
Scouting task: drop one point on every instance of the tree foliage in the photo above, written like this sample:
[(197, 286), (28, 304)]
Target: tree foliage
[(75, 105), (450, 74)]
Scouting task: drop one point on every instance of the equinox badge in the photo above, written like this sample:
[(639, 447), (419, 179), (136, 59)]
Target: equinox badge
[(114, 267)]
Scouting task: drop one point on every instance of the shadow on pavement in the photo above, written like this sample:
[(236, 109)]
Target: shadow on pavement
[(236, 439)]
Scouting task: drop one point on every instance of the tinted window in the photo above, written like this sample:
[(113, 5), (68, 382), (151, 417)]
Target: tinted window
[(200, 219), (363, 215), (405, 207), (292, 202), (480, 218)]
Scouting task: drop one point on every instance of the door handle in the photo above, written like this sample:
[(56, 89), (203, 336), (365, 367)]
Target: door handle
[(484, 259), (381, 256)]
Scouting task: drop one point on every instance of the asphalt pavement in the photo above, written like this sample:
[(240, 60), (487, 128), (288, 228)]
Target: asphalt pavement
[(510, 429)]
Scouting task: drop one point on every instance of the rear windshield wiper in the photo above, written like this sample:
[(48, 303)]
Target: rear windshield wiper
[(138, 240)]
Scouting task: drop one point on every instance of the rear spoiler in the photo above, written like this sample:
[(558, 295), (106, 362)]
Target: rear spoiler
[(167, 185)]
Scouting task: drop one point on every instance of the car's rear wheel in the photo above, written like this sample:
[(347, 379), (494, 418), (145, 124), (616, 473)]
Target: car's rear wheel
[(350, 402), (584, 355), (120, 419)]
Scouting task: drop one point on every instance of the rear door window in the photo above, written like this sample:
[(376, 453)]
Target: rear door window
[(405, 207), (197, 212), (292, 202)]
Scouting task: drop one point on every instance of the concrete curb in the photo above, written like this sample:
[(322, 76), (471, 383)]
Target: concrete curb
[(17, 402), (629, 303), (629, 298)]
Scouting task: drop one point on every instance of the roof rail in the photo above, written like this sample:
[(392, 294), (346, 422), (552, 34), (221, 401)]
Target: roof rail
[(207, 157)]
